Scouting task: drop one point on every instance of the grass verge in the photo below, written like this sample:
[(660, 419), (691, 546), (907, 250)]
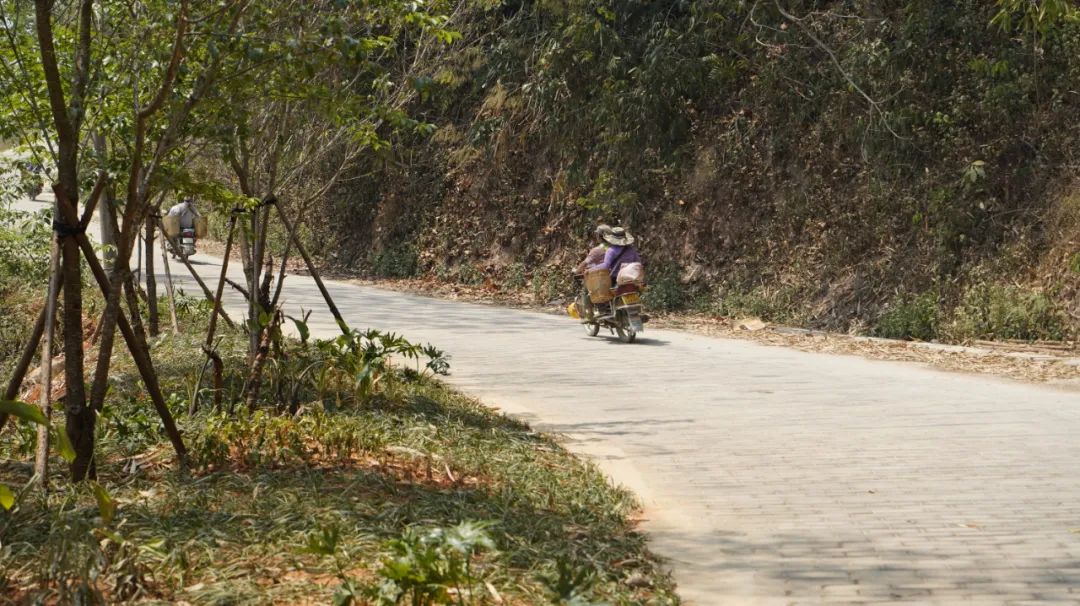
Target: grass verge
[(329, 504)]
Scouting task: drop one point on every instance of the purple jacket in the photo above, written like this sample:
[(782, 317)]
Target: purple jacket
[(617, 253)]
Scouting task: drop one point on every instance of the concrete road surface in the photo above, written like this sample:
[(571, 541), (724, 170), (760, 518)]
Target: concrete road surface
[(772, 476)]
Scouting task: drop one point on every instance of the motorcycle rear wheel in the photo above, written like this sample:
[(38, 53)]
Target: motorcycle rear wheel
[(626, 334), (592, 328)]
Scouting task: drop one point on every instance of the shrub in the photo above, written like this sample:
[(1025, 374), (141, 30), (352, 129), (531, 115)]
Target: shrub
[(429, 567), (514, 277), (397, 262), (910, 317), (665, 291), (994, 311), (549, 283)]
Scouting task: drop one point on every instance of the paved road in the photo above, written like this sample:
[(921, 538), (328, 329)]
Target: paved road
[(773, 476)]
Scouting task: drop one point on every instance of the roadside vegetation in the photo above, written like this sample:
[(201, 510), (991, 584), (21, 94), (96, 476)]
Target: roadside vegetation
[(155, 449), (331, 490), (899, 169)]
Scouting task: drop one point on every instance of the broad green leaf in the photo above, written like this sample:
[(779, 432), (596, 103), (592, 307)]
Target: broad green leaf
[(24, 411), (7, 498), (106, 504), (63, 444), (302, 328)]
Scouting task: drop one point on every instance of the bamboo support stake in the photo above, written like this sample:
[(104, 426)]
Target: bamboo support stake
[(138, 353), (41, 455), (221, 283), (208, 347), (169, 286), (311, 267), (194, 274)]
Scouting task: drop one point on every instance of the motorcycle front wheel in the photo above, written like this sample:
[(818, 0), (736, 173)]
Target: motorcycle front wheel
[(626, 334)]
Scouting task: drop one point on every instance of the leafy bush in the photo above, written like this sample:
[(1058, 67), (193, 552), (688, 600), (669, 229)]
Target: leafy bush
[(24, 247), (394, 262), (514, 277), (470, 275), (665, 292), (430, 567), (354, 363), (908, 317), (273, 440), (550, 283), (994, 311)]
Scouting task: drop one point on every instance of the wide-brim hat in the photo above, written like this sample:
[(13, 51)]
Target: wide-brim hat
[(618, 237)]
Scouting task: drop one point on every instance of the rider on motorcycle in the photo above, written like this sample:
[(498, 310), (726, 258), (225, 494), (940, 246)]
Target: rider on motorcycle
[(619, 254), (615, 259), (187, 213), (596, 254)]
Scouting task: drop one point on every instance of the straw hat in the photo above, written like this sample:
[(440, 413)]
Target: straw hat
[(618, 237)]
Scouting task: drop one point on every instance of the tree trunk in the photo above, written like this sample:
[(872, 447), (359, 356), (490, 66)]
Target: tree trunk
[(80, 418), (107, 219), (151, 281)]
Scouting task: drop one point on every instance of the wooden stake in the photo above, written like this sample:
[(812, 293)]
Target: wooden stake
[(41, 455), (138, 353), (208, 347), (169, 286), (194, 274), (311, 267)]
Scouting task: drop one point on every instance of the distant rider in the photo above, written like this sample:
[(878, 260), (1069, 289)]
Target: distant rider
[(186, 212), (620, 252), (596, 254)]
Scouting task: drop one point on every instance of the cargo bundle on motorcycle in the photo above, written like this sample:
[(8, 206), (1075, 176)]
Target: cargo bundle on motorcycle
[(617, 308)]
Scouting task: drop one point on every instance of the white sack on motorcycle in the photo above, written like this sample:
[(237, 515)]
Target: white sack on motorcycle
[(631, 273)]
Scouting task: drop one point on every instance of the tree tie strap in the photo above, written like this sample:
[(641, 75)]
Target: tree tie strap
[(68, 231)]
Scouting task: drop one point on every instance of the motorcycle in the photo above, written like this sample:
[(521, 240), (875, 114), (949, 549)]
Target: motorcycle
[(621, 313), (186, 242)]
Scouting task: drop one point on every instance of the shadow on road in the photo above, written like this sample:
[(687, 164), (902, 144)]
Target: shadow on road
[(852, 567), (639, 342)]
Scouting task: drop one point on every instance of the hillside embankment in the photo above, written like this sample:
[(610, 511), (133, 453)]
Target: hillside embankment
[(905, 169)]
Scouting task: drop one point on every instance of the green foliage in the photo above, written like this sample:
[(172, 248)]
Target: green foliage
[(395, 262), (606, 197), (995, 311), (470, 275), (514, 277), (355, 363), (911, 317), (549, 283), (24, 247), (665, 291), (434, 566), (1037, 16), (569, 585)]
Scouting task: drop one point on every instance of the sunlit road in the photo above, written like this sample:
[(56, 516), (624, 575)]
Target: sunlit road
[(776, 476)]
